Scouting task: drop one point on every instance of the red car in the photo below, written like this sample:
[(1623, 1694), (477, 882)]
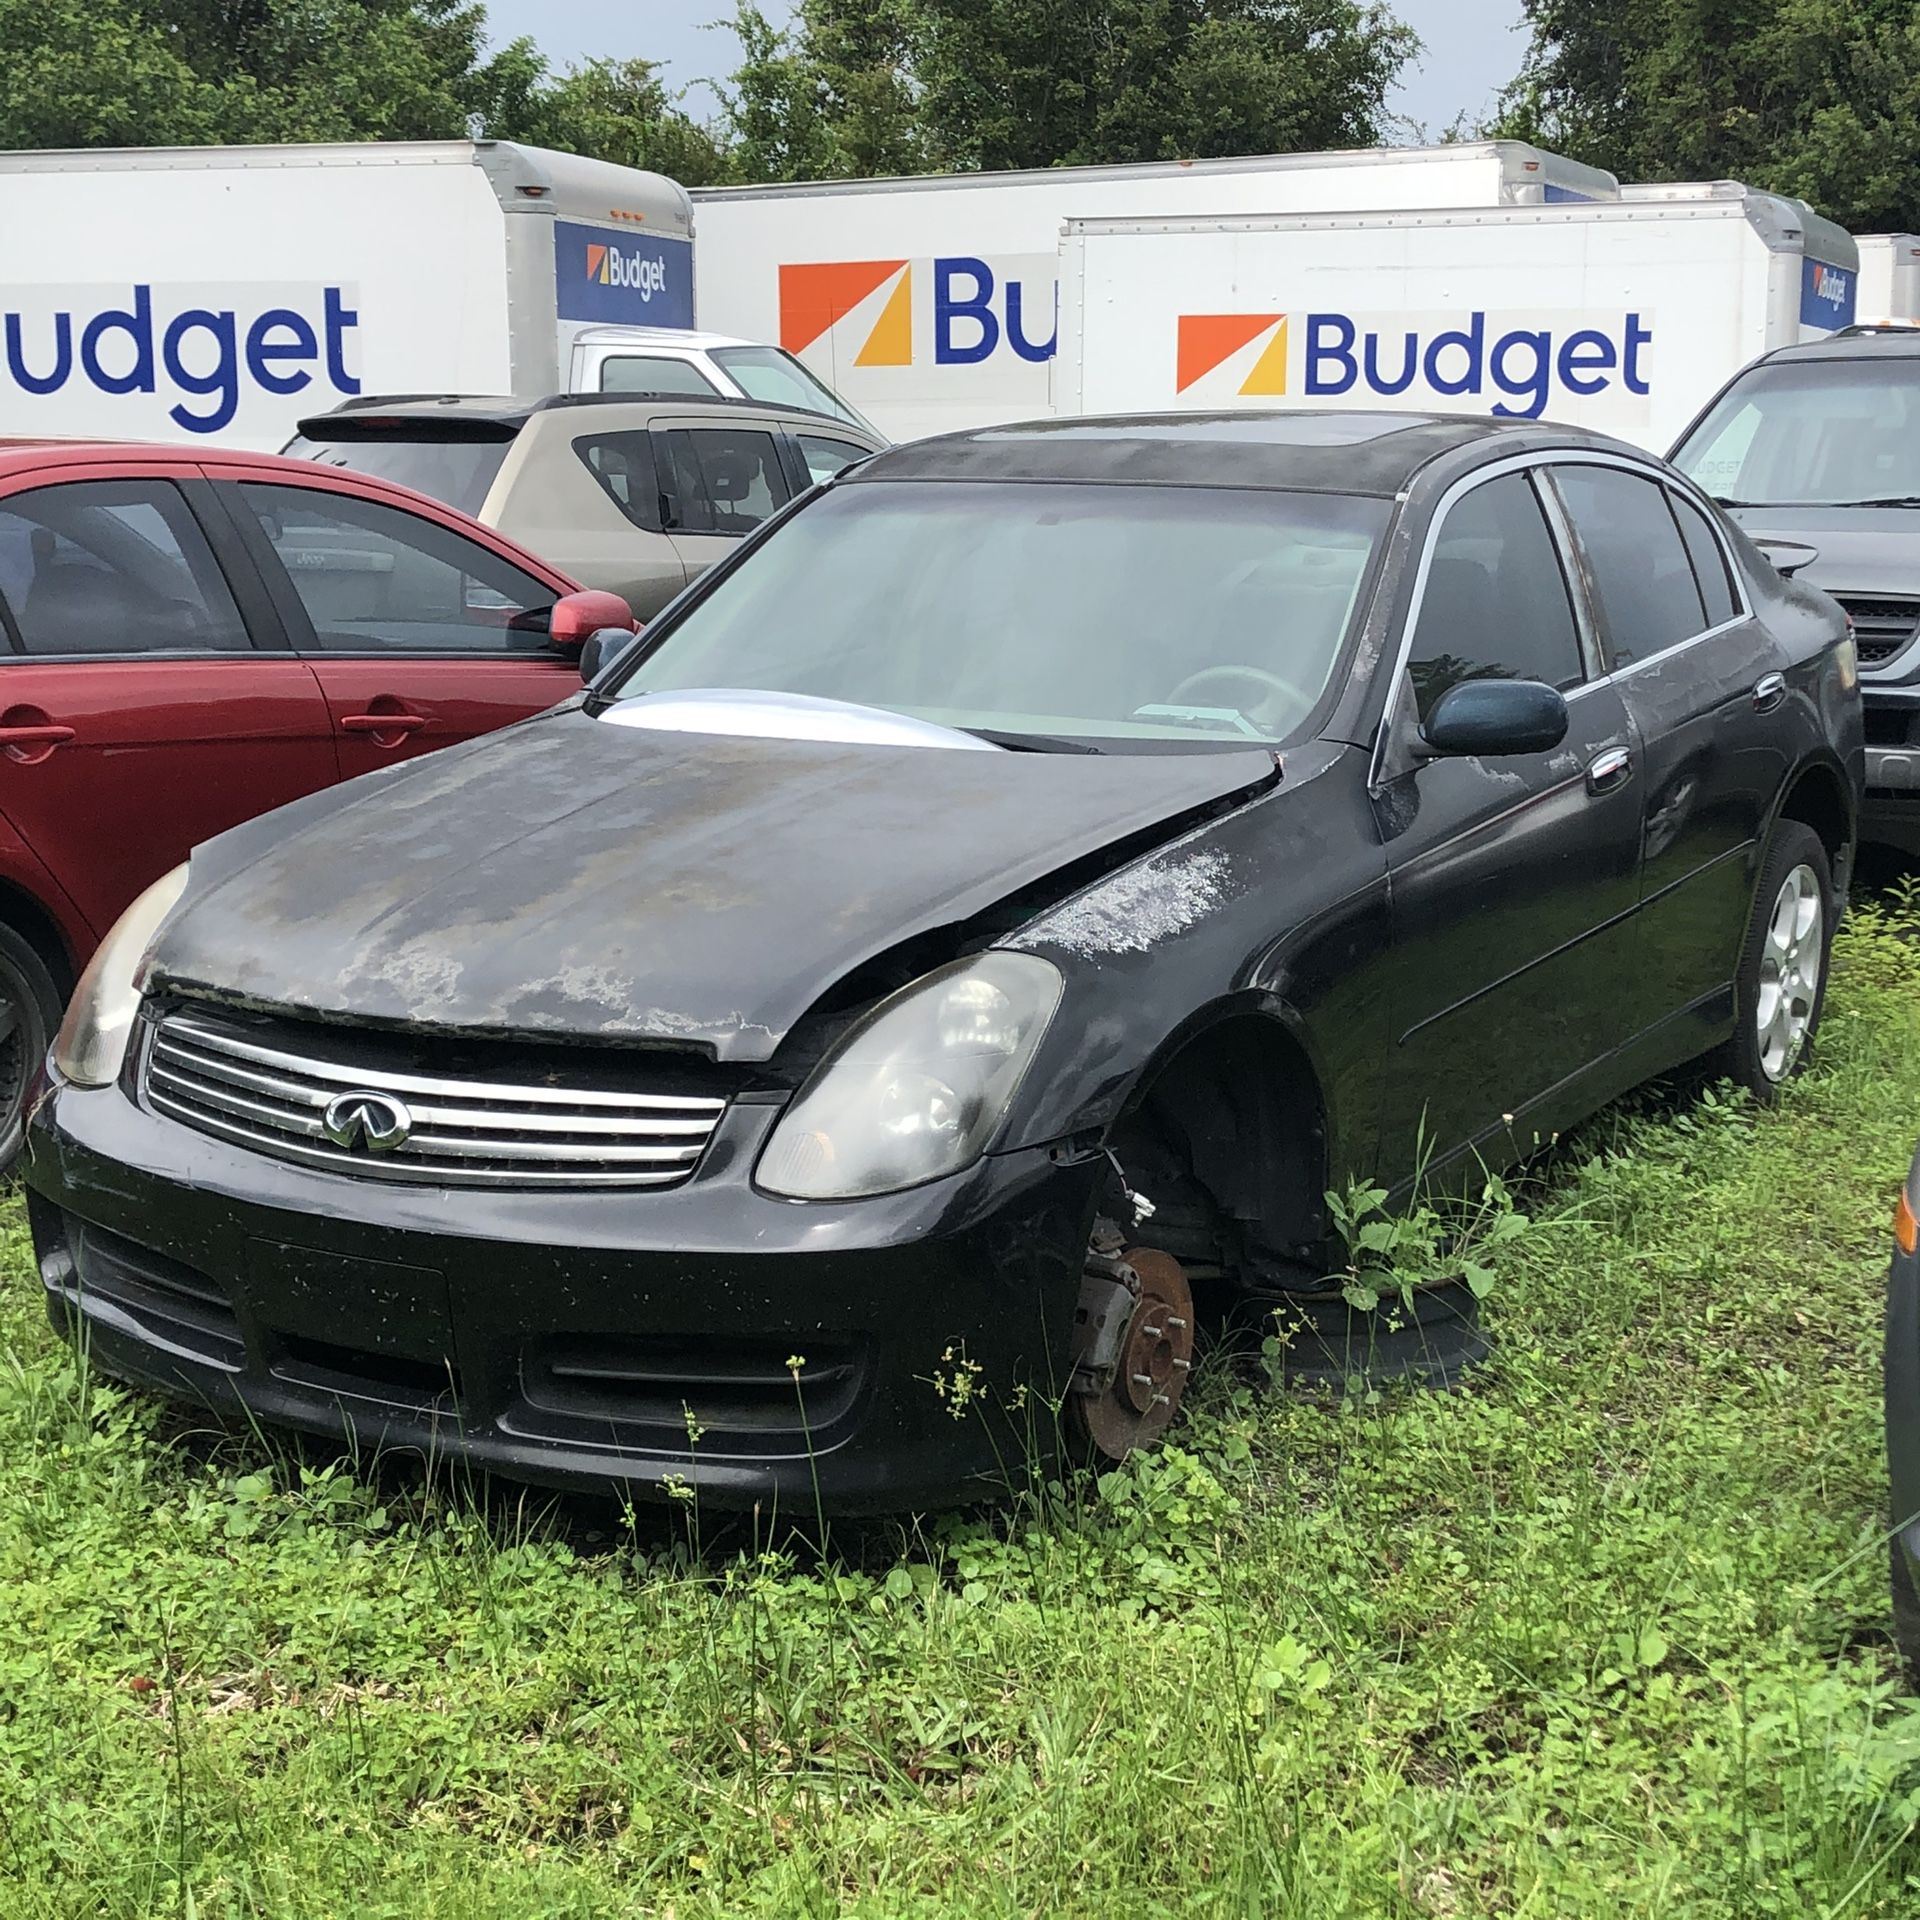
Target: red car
[(189, 638)]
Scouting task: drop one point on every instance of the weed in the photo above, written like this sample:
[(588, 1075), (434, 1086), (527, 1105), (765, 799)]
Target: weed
[(1605, 1636)]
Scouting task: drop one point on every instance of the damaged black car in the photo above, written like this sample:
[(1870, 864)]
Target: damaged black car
[(1011, 891)]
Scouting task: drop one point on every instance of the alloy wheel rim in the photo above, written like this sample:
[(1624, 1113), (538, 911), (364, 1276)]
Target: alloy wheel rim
[(1791, 955)]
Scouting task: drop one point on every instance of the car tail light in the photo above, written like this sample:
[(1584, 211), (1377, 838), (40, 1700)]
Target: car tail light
[(1906, 1229)]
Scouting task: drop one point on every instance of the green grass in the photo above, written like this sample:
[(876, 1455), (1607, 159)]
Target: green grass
[(1603, 1635)]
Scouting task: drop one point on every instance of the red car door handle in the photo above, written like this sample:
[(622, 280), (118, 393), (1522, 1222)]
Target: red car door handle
[(382, 722), (51, 735)]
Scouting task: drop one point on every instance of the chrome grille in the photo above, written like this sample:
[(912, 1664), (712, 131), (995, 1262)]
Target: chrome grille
[(1881, 628), (235, 1083)]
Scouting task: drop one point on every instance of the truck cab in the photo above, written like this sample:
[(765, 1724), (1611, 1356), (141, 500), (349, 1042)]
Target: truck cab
[(666, 363)]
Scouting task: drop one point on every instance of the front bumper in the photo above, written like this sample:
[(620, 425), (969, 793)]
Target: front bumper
[(1891, 812), (599, 1340)]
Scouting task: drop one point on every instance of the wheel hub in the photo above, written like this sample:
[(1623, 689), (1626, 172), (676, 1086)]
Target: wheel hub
[(1131, 1401)]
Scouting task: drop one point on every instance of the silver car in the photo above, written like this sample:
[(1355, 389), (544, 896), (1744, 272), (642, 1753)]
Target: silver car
[(637, 496)]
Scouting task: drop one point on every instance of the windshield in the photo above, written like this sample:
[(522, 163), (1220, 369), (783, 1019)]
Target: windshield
[(1811, 433), (1049, 614), (771, 375), (460, 472)]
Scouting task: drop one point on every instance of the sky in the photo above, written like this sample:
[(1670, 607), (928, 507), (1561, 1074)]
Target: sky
[(1473, 46)]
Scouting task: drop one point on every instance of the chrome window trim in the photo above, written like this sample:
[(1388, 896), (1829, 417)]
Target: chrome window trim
[(1572, 558)]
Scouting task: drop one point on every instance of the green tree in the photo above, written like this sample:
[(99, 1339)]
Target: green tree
[(1816, 98), (147, 72), (882, 86), (619, 110)]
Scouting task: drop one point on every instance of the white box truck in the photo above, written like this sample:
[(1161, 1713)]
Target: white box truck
[(182, 293), (1623, 316), (930, 302), (1890, 276)]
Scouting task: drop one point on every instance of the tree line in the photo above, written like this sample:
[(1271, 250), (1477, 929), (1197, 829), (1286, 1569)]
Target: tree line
[(1817, 98)]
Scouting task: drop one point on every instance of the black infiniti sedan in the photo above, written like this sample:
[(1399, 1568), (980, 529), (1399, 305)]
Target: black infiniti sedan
[(749, 1073)]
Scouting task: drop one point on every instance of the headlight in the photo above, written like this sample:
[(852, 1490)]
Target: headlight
[(917, 1088), (92, 1041)]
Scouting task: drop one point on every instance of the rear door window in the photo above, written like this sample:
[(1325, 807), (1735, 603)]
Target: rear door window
[(655, 376), (722, 479), (113, 566), (1496, 604), (371, 578), (1709, 559), (1642, 576)]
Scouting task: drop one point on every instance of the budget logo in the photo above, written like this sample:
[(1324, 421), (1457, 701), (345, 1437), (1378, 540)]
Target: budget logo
[(1206, 342), (597, 264), (817, 295), (974, 310)]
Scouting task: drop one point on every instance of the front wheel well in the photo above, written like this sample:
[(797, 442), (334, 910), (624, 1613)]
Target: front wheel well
[(1818, 800), (1227, 1137)]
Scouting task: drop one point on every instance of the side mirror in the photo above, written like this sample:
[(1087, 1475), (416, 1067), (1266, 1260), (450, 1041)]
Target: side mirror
[(1788, 556), (602, 649), (1493, 717), (575, 619)]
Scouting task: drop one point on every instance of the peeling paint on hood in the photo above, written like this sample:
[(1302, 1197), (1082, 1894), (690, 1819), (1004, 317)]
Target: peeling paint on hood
[(573, 878)]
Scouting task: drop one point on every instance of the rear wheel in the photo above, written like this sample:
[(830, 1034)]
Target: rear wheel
[(29, 1013), (1782, 982)]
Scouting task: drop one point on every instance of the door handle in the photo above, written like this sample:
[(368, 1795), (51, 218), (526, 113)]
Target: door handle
[(1609, 771), (382, 722), (1768, 691), (51, 735)]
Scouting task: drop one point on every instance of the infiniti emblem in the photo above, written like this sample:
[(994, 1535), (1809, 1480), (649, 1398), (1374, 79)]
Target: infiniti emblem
[(376, 1121)]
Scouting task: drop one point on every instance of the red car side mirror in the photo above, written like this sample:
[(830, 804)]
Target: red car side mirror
[(578, 616)]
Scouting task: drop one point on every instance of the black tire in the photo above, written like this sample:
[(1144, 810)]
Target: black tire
[(1764, 1063), (30, 1008), (1906, 1611)]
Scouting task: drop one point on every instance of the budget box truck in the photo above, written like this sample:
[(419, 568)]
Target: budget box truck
[(188, 293), (1626, 316), (1890, 276), (930, 302)]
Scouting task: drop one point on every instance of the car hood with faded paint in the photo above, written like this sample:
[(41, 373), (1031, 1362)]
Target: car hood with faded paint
[(575, 877)]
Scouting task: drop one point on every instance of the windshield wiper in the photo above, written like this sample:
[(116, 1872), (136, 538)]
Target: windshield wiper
[(1031, 742), (1890, 500)]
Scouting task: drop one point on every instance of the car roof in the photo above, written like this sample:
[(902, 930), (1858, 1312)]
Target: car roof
[(1871, 342), (35, 456), (1313, 451), (501, 416)]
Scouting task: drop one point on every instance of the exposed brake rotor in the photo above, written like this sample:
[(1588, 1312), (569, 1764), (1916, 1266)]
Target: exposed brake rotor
[(1135, 1349)]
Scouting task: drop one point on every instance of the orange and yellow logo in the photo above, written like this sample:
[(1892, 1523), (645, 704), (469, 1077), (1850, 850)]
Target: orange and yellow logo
[(597, 265), (1205, 342), (818, 295)]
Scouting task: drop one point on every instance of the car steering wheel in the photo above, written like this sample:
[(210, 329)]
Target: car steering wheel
[(1258, 675)]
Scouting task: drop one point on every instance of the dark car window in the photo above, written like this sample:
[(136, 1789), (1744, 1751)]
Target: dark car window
[(723, 479), (1811, 433), (623, 465), (1496, 605), (461, 472), (825, 457), (654, 376), (1708, 557), (1648, 596), (373, 579), (113, 566), (1127, 613)]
